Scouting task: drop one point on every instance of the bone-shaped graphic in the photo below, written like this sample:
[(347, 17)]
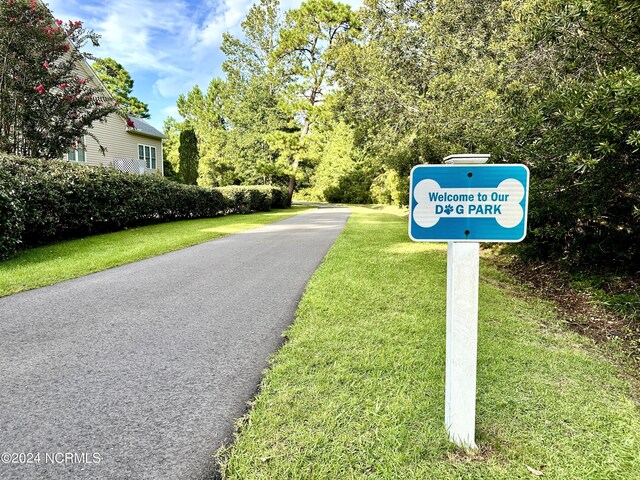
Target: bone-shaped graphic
[(507, 195)]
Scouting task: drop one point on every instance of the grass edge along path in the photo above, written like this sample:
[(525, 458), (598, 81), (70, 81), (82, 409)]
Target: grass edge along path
[(49, 264), (357, 390)]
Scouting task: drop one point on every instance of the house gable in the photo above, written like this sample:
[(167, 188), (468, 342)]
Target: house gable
[(117, 140)]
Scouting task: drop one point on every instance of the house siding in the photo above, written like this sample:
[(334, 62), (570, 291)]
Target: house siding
[(113, 135), (119, 143)]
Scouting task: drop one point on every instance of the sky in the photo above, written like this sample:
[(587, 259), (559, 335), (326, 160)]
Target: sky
[(167, 46)]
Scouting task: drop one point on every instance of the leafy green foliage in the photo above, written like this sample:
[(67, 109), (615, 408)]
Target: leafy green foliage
[(342, 172), (253, 126), (11, 215), (170, 144), (44, 105), (43, 201), (260, 198), (169, 172), (548, 83), (253, 56), (254, 97), (119, 83), (390, 188), (189, 157), (341, 105), (204, 113), (578, 129), (422, 82), (307, 46)]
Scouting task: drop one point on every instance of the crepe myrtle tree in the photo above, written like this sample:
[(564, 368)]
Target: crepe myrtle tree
[(45, 106)]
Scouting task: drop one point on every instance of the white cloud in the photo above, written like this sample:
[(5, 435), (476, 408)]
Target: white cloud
[(224, 17), (167, 45), (171, 110), (168, 86)]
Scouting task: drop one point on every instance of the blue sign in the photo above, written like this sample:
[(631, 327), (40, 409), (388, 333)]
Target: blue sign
[(469, 203)]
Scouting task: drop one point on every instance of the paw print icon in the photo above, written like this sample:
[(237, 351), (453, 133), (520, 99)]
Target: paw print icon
[(448, 209)]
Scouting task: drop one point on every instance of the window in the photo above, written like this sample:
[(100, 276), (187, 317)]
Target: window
[(148, 154), (78, 152)]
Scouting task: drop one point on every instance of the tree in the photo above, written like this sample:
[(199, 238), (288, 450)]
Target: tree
[(254, 97), (344, 172), (205, 114), (423, 81), (308, 45), (45, 106), (253, 57), (189, 156), (572, 105), (170, 146), (550, 83), (120, 85)]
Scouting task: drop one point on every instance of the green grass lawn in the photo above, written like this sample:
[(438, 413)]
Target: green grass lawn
[(50, 264), (357, 391)]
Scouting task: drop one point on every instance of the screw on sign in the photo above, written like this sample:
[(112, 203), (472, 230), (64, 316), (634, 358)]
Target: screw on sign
[(464, 203)]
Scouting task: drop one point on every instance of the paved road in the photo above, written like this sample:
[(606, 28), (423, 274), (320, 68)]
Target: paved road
[(141, 370)]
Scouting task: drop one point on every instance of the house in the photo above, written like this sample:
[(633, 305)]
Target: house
[(132, 146)]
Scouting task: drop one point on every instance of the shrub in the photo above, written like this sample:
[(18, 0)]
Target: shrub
[(11, 216), (261, 198), (352, 188), (43, 201), (279, 197), (390, 188)]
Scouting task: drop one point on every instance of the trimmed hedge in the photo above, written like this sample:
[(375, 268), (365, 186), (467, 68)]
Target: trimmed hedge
[(42, 201), (259, 198)]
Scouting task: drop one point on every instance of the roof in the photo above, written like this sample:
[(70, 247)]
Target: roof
[(144, 128)]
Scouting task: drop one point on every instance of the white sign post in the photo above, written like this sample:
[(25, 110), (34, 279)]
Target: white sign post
[(463, 264), (463, 273), (465, 203)]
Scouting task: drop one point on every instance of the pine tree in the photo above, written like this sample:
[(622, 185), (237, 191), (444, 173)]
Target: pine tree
[(120, 85)]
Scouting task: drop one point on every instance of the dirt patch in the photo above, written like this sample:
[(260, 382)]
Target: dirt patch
[(482, 454), (578, 309)]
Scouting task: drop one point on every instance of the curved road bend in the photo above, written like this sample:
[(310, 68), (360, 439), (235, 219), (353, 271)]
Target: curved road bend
[(139, 372)]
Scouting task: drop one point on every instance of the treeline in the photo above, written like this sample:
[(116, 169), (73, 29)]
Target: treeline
[(271, 120), (340, 105)]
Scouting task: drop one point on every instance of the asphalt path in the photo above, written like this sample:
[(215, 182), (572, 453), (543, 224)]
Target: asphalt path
[(139, 372)]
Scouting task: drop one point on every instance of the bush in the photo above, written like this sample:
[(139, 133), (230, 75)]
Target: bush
[(11, 216), (260, 198), (43, 201), (390, 188), (352, 188), (379, 190), (279, 197)]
